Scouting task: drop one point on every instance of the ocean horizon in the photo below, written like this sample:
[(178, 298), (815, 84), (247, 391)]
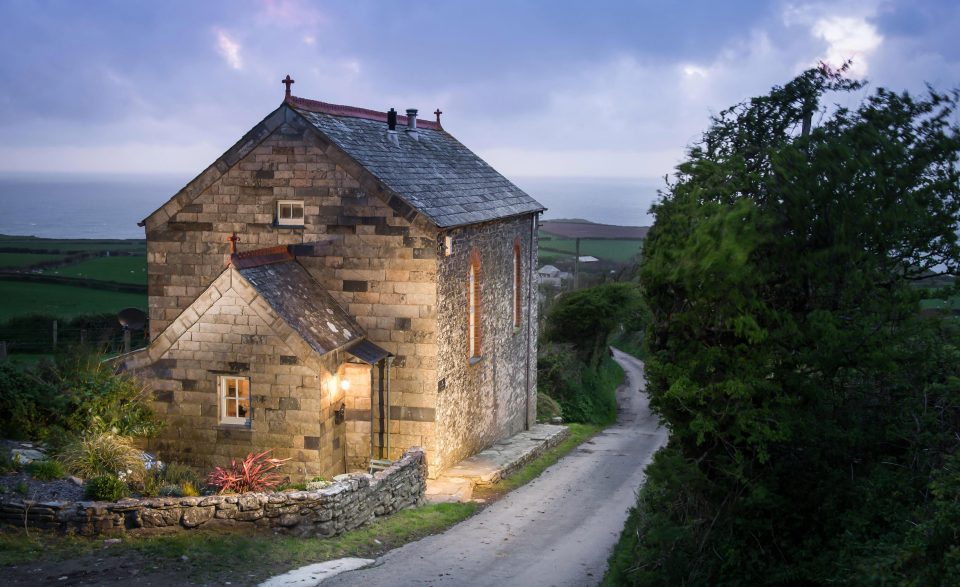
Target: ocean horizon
[(109, 206)]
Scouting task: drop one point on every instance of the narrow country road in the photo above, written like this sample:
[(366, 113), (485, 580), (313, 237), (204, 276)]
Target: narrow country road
[(557, 530)]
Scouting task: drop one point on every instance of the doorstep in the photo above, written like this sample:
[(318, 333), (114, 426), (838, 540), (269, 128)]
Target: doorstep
[(493, 464)]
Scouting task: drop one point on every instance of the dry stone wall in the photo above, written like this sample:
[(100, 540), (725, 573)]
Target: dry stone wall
[(345, 505)]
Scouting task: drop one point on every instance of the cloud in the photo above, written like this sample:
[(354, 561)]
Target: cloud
[(229, 49), (848, 39), (845, 27)]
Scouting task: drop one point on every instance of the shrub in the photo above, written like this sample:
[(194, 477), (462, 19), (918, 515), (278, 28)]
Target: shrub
[(254, 473), (105, 488), (188, 489), (27, 404), (547, 407), (178, 474), (96, 455), (47, 470)]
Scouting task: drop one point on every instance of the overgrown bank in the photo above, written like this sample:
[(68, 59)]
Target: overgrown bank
[(577, 378), (813, 409)]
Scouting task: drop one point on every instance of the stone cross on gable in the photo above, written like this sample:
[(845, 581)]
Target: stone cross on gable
[(287, 81), (234, 239), (438, 112)]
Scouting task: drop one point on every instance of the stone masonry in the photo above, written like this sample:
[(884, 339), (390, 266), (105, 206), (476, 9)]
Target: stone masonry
[(345, 505), (381, 256)]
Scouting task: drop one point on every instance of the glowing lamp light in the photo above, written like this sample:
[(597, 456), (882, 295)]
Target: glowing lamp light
[(345, 384)]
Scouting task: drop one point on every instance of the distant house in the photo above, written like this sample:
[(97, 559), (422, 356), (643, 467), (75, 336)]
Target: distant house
[(551, 276), (340, 285)]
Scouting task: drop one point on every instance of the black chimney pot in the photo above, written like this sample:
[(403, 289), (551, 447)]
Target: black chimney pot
[(392, 119)]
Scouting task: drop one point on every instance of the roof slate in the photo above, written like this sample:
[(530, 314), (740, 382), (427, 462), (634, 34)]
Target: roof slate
[(303, 304), (436, 175)]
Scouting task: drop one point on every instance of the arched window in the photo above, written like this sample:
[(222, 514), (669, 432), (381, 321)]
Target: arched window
[(473, 301), (517, 284)]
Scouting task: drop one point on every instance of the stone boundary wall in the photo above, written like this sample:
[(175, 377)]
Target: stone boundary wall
[(343, 506)]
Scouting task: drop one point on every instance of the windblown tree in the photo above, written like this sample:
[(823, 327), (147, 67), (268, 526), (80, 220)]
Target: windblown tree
[(813, 413)]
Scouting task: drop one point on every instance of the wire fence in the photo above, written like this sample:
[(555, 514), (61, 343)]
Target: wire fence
[(56, 335)]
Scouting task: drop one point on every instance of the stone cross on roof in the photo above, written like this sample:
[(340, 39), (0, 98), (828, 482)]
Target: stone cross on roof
[(287, 81), (438, 112), (234, 239)]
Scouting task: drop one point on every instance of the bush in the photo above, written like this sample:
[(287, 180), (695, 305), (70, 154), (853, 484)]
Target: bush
[(105, 488), (47, 470), (28, 405), (97, 455), (254, 473), (179, 474), (547, 407)]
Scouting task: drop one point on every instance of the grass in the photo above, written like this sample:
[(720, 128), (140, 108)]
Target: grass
[(17, 260), (72, 245), (578, 434), (241, 555), (618, 250), (21, 298), (119, 269)]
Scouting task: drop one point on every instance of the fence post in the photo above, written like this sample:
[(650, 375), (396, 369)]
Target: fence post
[(54, 335), (3, 350), (83, 335), (126, 340)]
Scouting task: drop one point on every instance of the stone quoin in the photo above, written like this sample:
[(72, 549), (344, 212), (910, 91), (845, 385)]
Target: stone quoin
[(310, 292)]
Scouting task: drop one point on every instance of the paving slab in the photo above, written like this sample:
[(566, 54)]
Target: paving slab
[(493, 464)]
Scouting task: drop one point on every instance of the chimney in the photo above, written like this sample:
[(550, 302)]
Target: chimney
[(412, 124), (392, 127)]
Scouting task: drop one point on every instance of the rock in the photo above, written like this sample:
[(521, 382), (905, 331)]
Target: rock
[(248, 501), (556, 420), (195, 516), (25, 456), (343, 477), (111, 542)]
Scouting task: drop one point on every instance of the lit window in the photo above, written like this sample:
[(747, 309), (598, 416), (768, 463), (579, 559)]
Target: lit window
[(290, 213), (234, 400), (474, 303), (517, 284)]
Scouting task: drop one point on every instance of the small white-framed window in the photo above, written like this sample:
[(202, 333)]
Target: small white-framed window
[(290, 212), (234, 399)]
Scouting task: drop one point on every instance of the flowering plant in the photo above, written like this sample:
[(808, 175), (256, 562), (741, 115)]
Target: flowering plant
[(254, 473)]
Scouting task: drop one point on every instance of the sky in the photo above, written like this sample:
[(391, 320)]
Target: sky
[(554, 94)]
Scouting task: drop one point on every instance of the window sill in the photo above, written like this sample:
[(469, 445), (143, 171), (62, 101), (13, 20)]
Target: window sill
[(235, 426), (289, 226)]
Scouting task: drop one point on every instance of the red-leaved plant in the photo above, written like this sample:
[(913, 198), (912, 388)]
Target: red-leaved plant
[(254, 473)]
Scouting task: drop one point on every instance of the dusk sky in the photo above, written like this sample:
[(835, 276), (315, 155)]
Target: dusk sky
[(611, 90)]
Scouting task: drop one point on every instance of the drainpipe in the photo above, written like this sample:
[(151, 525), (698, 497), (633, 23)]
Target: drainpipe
[(530, 272), (369, 463), (389, 364)]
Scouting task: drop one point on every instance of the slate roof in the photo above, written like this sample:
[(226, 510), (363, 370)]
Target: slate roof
[(437, 175), (301, 302)]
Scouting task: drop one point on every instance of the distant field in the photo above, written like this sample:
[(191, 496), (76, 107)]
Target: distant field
[(32, 242), (583, 229), (119, 269), (19, 298), (16, 260), (617, 250)]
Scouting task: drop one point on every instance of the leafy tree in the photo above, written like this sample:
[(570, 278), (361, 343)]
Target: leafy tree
[(587, 317), (809, 405)]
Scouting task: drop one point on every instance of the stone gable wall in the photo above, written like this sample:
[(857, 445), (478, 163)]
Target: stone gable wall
[(381, 267), (292, 411), (344, 506), (482, 401)]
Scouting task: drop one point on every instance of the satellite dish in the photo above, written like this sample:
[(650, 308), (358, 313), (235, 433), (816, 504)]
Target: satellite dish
[(132, 319)]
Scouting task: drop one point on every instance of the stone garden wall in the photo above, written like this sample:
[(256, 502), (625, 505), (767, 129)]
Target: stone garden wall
[(346, 504)]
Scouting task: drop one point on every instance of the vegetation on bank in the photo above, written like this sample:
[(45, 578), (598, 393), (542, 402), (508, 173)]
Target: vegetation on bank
[(574, 367), (813, 409)]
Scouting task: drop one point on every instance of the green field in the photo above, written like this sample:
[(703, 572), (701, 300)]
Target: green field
[(21, 298), (119, 269), (616, 250), (17, 260), (72, 245)]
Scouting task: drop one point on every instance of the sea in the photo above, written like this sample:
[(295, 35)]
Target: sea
[(109, 206)]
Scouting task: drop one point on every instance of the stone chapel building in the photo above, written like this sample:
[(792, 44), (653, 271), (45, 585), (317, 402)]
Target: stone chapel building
[(338, 286)]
